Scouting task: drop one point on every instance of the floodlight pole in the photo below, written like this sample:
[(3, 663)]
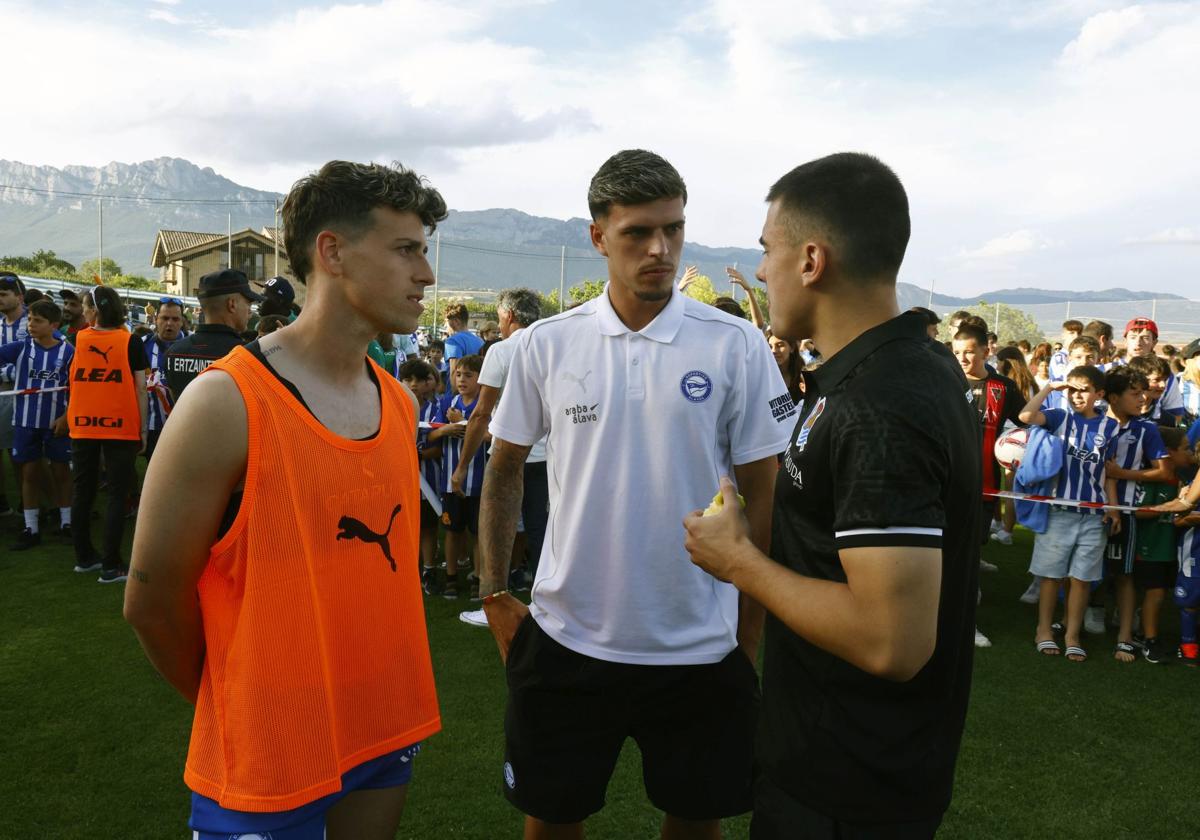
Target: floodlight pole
[(100, 213), (562, 276), (229, 237)]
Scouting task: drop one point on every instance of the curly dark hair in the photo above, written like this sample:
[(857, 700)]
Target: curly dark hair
[(341, 196)]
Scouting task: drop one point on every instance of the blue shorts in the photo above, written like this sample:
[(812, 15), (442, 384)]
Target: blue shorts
[(1072, 546), (210, 821), (1187, 592), (36, 444)]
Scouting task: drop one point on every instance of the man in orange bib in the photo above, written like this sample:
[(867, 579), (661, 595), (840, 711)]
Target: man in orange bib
[(289, 611)]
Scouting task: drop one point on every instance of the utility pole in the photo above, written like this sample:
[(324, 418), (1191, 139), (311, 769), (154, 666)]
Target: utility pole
[(276, 237), (100, 212), (437, 264), (931, 285), (562, 275), (229, 237)]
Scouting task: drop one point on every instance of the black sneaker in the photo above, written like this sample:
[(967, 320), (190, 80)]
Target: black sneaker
[(518, 581), (1155, 651), (27, 540), (117, 575), (450, 590), (473, 586), (429, 581)]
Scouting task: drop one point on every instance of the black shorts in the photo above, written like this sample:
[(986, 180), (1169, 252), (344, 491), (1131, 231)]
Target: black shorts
[(1120, 548), (780, 816), (569, 715), (460, 514), (429, 516), (1150, 575)]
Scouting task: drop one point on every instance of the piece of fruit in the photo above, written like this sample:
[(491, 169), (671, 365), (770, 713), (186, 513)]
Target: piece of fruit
[(718, 502)]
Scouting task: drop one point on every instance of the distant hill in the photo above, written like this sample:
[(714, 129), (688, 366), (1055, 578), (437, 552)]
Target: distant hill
[(480, 249)]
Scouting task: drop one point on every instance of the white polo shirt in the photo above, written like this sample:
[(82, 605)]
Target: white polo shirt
[(494, 373), (641, 426)]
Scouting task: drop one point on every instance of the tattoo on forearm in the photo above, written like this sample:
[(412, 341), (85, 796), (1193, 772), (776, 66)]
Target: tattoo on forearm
[(139, 575), (499, 508)]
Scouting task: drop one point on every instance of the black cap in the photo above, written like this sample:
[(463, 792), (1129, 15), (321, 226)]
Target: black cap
[(68, 294), (278, 288), (226, 282), (11, 282), (1191, 350)]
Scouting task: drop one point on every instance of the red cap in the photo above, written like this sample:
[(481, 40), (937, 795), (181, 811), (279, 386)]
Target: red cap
[(1142, 324)]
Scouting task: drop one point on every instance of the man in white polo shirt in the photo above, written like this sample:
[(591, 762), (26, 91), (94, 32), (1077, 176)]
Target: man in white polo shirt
[(647, 398)]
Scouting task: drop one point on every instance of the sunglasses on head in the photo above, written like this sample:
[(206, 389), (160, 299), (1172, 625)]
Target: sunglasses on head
[(173, 300)]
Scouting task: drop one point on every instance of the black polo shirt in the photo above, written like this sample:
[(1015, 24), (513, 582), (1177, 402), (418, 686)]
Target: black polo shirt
[(885, 453), (191, 356)]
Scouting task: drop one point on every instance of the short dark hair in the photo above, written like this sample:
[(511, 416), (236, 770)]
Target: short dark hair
[(858, 202), (32, 296), (730, 306), (110, 312), (992, 337), (1091, 373), (1121, 379), (1150, 366), (1085, 341), (341, 195), (473, 362), (970, 332), (268, 324), (1024, 346), (457, 312), (1072, 326), (631, 177), (416, 369), (48, 309), (931, 317), (958, 315), (1173, 437), (1098, 330), (975, 322), (438, 343), (522, 304)]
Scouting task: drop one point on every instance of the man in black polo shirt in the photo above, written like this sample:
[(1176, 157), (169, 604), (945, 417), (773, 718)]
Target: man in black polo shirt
[(225, 298), (875, 542)]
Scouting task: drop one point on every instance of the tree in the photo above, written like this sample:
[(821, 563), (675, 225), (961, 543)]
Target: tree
[(585, 290), (1013, 325), (701, 289), (134, 281), (42, 264), (89, 270)]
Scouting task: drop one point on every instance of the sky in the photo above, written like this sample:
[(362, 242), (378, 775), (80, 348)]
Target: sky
[(1049, 144)]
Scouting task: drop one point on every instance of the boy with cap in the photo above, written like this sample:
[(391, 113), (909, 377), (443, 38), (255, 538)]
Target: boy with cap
[(225, 296), (1141, 335)]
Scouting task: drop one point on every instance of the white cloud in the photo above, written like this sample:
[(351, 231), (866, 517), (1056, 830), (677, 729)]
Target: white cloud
[(1009, 245), (164, 16), (1169, 236), (167, 2)]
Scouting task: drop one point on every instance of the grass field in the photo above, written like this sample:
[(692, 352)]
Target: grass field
[(93, 740)]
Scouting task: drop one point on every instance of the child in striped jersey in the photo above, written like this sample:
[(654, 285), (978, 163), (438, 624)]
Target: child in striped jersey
[(460, 513), (1140, 456), (1187, 587), (421, 378), (40, 361), (1157, 542), (1073, 543)]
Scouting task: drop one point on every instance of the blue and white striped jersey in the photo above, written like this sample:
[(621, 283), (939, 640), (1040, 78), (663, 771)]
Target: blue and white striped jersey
[(432, 468), (1189, 394), (1189, 553), (38, 367), (452, 451), (1059, 366), (1170, 403), (1089, 443), (157, 391), (1139, 445), (18, 330)]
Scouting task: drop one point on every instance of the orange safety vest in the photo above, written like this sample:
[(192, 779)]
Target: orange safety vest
[(316, 654), (103, 402)]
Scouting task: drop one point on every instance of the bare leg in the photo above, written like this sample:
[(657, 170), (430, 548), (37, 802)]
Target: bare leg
[(366, 814), (535, 829), (1077, 601), (1126, 599), (677, 828), (456, 550), (1151, 610), (1047, 600)]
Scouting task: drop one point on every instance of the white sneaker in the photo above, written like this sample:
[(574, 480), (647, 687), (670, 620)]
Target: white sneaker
[(985, 566), (1093, 621), (1003, 537), (994, 526), (981, 640), (1033, 592), (475, 617)]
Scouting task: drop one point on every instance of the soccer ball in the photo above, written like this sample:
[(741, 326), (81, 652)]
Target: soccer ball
[(1010, 448)]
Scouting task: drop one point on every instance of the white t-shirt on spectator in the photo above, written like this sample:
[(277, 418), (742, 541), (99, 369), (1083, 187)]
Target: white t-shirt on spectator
[(641, 426), (495, 371)]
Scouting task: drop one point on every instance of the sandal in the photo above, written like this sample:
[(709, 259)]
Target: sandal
[(1127, 648), (1079, 653), (1048, 647)]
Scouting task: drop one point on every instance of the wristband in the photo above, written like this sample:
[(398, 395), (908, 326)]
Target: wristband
[(487, 599)]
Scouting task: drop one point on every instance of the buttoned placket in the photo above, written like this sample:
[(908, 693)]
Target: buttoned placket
[(635, 383)]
